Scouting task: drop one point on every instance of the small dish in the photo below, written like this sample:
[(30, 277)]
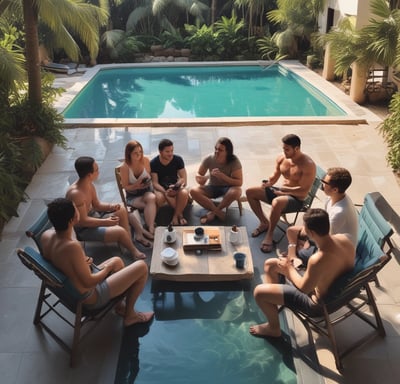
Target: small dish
[(169, 256)]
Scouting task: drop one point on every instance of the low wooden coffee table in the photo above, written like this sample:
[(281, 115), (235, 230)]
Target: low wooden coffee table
[(208, 266)]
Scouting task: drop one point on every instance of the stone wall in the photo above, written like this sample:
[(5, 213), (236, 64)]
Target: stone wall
[(160, 54)]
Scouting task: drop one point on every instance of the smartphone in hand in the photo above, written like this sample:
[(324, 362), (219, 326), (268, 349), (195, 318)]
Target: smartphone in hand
[(145, 180), (176, 187)]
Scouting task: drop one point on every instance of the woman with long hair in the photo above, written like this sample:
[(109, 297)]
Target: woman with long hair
[(223, 172), (136, 180)]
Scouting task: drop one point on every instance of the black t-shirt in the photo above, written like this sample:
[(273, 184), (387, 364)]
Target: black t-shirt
[(167, 174)]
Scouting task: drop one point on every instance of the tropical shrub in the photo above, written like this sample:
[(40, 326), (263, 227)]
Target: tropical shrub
[(229, 34), (203, 42), (390, 130)]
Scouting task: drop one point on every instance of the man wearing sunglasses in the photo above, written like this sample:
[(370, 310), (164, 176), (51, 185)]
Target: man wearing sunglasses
[(342, 215)]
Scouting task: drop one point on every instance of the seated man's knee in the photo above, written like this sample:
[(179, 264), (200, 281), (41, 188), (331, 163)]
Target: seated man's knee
[(250, 192), (141, 267), (279, 204), (260, 291), (270, 265), (118, 262), (194, 192)]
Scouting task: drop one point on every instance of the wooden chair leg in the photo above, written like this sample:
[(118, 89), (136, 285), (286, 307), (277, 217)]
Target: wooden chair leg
[(77, 334), (332, 338), (38, 311), (240, 207)]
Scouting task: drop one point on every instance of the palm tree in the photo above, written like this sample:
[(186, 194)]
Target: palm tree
[(156, 16), (298, 20), (64, 18), (376, 43), (254, 12)]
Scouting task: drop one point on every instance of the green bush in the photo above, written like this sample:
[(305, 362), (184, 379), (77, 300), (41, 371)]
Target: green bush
[(12, 183), (203, 43), (20, 154), (390, 129)]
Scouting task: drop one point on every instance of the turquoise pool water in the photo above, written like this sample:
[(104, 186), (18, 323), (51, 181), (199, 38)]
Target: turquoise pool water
[(199, 92), (203, 338)]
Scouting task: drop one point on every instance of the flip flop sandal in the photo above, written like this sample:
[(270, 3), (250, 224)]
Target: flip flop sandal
[(206, 219), (258, 231), (267, 248), (182, 221)]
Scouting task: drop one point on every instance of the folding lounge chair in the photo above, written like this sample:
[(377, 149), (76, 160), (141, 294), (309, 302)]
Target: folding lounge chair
[(41, 225), (56, 291), (307, 203), (344, 297), (377, 225), (36, 230)]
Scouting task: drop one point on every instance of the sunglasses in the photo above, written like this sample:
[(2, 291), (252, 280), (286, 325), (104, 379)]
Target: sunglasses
[(323, 182)]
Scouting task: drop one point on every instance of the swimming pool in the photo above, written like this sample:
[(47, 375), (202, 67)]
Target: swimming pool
[(222, 93), (193, 92)]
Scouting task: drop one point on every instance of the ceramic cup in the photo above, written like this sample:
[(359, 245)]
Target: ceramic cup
[(198, 233), (240, 258), (234, 236)]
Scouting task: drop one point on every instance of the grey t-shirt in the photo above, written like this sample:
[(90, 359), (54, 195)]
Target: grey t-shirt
[(210, 163)]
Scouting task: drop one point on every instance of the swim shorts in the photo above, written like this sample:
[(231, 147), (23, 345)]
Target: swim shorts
[(214, 191), (299, 301), (92, 233), (293, 204), (103, 296)]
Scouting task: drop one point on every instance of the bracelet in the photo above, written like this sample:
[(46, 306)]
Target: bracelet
[(291, 245)]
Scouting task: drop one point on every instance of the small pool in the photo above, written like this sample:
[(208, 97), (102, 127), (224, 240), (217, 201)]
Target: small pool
[(194, 91)]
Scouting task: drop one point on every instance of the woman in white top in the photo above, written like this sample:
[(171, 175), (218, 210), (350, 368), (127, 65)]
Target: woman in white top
[(136, 180)]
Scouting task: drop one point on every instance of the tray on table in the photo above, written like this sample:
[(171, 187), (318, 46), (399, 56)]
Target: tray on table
[(210, 241)]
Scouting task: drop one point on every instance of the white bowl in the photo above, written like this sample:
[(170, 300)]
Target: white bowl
[(169, 256)]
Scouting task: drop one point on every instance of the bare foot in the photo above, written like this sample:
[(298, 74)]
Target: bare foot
[(220, 214), (146, 243), (139, 255), (147, 234), (138, 317), (264, 330), (206, 219), (182, 220)]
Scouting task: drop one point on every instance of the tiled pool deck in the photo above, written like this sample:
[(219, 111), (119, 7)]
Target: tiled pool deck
[(26, 356)]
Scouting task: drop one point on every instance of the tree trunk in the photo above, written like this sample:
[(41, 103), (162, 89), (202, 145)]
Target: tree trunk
[(32, 51), (358, 81), (213, 11)]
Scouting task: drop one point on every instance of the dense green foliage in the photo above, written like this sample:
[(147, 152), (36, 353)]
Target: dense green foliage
[(390, 129)]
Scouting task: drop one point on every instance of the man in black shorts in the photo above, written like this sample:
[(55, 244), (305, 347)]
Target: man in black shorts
[(298, 172), (323, 268)]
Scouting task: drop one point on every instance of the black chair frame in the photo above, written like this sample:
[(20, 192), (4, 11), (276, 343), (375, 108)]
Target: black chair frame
[(56, 291)]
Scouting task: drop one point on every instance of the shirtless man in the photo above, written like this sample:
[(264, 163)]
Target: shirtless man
[(323, 268), (95, 224), (113, 279), (169, 177), (298, 171)]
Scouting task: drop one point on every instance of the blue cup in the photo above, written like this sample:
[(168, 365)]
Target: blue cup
[(239, 259)]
